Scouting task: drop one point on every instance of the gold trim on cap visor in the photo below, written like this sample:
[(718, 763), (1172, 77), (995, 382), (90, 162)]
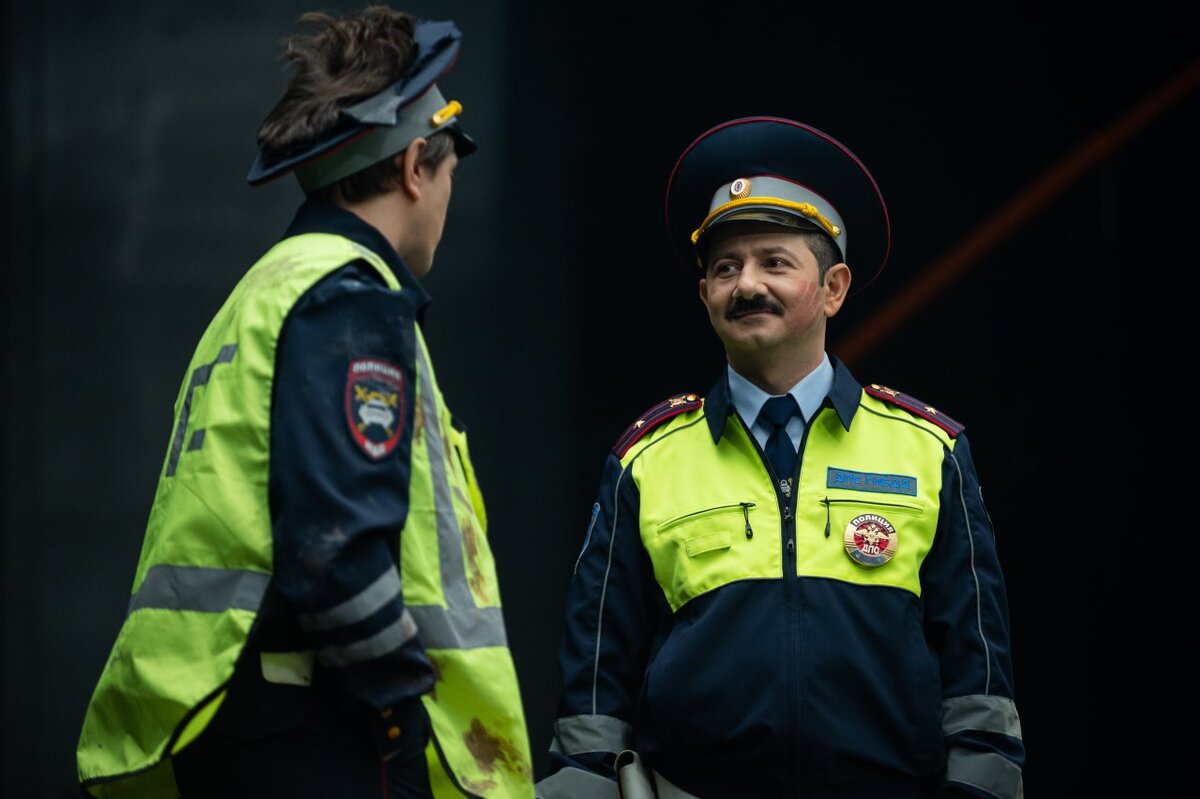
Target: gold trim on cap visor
[(807, 210)]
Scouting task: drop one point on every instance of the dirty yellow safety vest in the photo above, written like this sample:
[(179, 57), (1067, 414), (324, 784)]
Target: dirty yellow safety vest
[(207, 559)]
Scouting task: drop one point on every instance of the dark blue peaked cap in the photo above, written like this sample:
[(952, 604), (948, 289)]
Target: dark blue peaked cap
[(781, 171), (413, 105)]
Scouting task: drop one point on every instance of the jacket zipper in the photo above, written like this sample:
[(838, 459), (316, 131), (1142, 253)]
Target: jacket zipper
[(746, 506)]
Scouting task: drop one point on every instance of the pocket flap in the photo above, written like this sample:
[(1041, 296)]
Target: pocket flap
[(707, 543)]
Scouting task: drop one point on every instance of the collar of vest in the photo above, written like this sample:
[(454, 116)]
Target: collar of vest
[(321, 216), (843, 397)]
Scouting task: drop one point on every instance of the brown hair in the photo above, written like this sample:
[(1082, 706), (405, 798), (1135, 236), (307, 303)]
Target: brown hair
[(823, 249), (340, 62)]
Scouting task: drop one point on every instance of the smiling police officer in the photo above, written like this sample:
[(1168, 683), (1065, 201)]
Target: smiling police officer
[(788, 587), (315, 612)]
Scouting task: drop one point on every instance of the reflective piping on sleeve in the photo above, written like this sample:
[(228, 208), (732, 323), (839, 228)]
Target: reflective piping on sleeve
[(608, 566), (587, 539), (356, 608), (574, 735), (454, 576), (386, 640), (575, 783), (987, 771), (612, 538), (987, 655), (459, 628), (200, 589), (984, 713)]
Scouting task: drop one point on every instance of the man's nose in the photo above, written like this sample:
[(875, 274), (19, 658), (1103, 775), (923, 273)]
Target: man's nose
[(749, 284)]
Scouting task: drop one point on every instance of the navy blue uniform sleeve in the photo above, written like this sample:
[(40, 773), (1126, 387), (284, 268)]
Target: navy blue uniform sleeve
[(341, 428), (611, 619), (966, 612)]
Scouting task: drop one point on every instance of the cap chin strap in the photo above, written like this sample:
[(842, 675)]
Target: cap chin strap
[(423, 117)]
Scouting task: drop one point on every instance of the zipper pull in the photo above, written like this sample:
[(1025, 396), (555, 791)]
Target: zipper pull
[(826, 503), (746, 506), (787, 513)]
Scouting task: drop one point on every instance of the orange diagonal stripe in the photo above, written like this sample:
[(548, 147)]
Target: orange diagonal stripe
[(944, 271)]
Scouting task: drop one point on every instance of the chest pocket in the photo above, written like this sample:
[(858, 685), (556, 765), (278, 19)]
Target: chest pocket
[(706, 548), (876, 542)]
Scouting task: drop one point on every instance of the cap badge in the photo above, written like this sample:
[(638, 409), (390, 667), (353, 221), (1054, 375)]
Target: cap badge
[(870, 540), (739, 188)]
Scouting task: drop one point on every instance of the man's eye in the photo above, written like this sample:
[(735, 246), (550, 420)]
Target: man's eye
[(724, 269)]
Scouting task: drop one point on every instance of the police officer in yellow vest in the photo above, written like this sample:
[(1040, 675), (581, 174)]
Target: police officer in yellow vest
[(315, 611), (789, 586)]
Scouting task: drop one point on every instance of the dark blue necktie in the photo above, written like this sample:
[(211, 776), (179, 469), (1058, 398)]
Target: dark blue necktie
[(780, 451)]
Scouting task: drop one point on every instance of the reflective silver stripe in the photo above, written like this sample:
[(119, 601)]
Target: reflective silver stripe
[(386, 640), (986, 771), (459, 625), (200, 589), (455, 628), (454, 577), (356, 608), (987, 657), (986, 713), (575, 735), (575, 783)]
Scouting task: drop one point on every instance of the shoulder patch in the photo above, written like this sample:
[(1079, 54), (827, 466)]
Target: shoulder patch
[(672, 406), (375, 405), (916, 407)]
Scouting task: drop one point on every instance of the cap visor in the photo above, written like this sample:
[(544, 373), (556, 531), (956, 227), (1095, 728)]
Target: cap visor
[(464, 145)]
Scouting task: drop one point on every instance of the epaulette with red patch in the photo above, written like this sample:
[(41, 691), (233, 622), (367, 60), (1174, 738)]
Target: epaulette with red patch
[(916, 407), (672, 406)]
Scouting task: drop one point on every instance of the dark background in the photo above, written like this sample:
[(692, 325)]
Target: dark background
[(560, 312)]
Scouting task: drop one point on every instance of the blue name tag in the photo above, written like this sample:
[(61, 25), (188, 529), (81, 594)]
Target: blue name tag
[(871, 481)]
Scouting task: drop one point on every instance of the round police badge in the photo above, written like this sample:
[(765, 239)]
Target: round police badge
[(375, 405), (739, 188), (870, 540)]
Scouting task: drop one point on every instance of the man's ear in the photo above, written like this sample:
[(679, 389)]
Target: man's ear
[(409, 164), (703, 288), (837, 285)]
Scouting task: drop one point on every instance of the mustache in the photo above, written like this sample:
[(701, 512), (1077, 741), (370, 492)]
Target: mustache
[(742, 306)]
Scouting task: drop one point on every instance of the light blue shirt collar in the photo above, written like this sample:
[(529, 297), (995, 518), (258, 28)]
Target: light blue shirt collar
[(810, 392)]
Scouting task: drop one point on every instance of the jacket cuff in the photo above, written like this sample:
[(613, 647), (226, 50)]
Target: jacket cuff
[(399, 728)]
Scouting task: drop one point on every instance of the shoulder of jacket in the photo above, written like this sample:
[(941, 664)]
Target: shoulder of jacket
[(653, 417), (916, 407)]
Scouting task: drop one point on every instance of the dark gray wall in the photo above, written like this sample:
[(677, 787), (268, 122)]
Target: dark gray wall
[(560, 314)]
